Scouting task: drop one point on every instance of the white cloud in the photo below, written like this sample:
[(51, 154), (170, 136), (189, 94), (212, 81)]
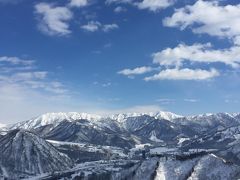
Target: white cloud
[(15, 64), (135, 71), (166, 101), (27, 92), (78, 3), (207, 17), (154, 5), (20, 72), (24, 76), (183, 74), (119, 9), (109, 27), (16, 60), (191, 100), (202, 53), (93, 26), (53, 20)]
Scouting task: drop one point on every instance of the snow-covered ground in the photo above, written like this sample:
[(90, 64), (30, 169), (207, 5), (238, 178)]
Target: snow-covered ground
[(91, 148), (181, 140), (209, 167), (162, 150), (174, 170)]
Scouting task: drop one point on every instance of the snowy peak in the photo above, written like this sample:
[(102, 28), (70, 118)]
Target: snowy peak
[(166, 115), (54, 119), (158, 115)]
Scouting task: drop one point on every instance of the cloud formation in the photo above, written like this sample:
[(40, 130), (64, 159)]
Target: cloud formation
[(165, 101), (135, 71), (20, 72), (183, 74), (53, 20), (203, 53), (27, 91), (15, 61), (78, 3), (202, 17), (191, 100), (154, 5), (93, 26), (119, 9), (207, 17), (151, 5)]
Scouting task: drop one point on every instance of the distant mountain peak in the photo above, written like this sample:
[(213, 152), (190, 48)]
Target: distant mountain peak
[(158, 115), (56, 118)]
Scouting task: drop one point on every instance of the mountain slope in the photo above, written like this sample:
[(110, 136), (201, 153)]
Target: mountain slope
[(208, 167), (83, 131), (205, 122), (23, 154)]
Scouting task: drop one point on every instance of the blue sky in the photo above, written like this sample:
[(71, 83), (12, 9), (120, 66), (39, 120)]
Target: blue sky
[(118, 56)]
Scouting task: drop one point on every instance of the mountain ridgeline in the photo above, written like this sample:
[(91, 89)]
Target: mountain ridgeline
[(58, 144)]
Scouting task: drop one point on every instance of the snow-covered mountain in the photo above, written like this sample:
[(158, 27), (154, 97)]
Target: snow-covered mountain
[(24, 154), (84, 131), (158, 115), (209, 167), (55, 118), (127, 132), (206, 122), (136, 128), (33, 147)]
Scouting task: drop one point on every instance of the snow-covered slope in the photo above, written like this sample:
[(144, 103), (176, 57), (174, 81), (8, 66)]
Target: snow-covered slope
[(24, 154), (3, 129), (2, 125), (209, 167), (84, 131), (212, 167)]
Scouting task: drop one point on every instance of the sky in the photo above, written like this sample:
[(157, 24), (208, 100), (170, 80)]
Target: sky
[(113, 56)]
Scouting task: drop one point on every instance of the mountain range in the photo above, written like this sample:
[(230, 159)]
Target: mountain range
[(59, 144)]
